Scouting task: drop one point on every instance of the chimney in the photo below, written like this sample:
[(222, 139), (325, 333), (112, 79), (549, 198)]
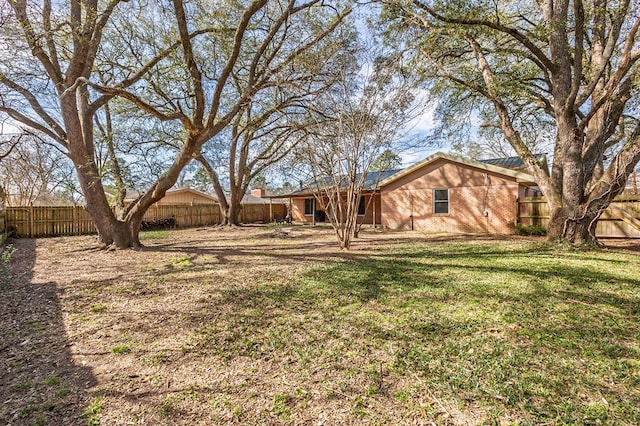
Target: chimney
[(258, 192)]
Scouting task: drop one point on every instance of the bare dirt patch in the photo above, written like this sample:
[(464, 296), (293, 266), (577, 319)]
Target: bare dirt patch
[(94, 334)]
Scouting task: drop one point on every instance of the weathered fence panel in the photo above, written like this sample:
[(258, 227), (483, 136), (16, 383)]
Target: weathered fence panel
[(185, 215), (612, 224), (533, 211), (46, 221), (50, 221)]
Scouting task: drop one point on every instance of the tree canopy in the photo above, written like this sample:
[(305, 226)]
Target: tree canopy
[(185, 70)]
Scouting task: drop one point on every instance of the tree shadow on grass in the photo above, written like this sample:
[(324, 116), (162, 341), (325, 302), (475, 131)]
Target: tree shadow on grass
[(538, 332), (378, 276), (39, 382)]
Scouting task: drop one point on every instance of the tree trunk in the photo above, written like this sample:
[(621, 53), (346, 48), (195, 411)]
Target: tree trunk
[(577, 229), (233, 213), (126, 234)]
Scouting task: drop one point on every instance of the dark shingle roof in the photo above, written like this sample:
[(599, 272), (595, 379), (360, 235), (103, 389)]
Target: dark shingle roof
[(374, 177), (514, 163), (370, 183)]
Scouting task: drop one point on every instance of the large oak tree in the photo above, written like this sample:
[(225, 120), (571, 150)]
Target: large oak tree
[(267, 129), (572, 64), (174, 63)]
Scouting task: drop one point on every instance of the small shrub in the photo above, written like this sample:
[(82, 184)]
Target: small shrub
[(6, 253), (528, 230)]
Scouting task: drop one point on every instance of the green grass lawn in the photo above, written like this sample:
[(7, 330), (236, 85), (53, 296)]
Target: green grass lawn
[(509, 333)]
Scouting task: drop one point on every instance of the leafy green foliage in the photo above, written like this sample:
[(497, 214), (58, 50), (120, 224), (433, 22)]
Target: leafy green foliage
[(529, 230), (388, 160), (6, 253)]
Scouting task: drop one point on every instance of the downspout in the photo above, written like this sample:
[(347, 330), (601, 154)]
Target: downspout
[(411, 211), (485, 212)]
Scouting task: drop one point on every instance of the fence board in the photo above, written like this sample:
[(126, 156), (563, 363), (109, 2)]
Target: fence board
[(535, 211), (49, 221)]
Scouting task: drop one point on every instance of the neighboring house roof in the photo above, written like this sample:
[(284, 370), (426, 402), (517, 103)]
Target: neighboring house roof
[(132, 195), (192, 191), (514, 163), (252, 199), (520, 176)]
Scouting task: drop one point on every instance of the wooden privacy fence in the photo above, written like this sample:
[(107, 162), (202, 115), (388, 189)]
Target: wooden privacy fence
[(620, 220), (51, 221)]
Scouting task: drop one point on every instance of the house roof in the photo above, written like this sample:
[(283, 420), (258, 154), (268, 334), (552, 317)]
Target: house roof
[(513, 162), (520, 176), (192, 191), (371, 183)]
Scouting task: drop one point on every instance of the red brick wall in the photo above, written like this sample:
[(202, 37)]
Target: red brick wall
[(471, 191), (297, 211)]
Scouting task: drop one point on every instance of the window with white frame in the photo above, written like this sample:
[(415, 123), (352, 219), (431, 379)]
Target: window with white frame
[(440, 201)]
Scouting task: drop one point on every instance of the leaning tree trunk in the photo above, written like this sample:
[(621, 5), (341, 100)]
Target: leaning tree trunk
[(112, 232)]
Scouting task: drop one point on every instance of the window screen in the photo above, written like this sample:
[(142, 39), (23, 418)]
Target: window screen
[(441, 201)]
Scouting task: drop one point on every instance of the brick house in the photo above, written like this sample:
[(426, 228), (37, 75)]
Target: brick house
[(447, 193), (442, 193), (306, 209)]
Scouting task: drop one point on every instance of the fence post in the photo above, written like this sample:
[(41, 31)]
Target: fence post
[(31, 220), (74, 217)]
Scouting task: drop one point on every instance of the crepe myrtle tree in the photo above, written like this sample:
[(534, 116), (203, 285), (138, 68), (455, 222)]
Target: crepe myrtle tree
[(569, 68), (357, 120)]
